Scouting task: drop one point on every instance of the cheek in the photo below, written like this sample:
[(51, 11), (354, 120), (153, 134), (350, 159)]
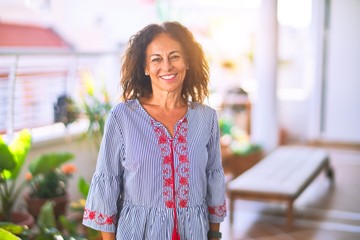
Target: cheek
[(153, 69)]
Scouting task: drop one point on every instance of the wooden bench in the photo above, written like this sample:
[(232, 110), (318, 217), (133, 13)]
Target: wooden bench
[(281, 176)]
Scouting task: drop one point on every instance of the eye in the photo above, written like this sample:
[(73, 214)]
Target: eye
[(155, 60), (174, 57)]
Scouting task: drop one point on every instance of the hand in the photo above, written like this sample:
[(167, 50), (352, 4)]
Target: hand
[(108, 236)]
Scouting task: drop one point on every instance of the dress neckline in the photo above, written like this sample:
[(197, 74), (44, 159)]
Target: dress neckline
[(158, 123)]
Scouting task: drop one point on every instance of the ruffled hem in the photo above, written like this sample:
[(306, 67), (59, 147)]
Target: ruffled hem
[(215, 199), (158, 223), (102, 203)]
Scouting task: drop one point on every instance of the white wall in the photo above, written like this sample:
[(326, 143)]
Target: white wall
[(342, 89), (333, 64)]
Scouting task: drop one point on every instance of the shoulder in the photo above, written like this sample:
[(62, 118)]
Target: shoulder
[(122, 107), (203, 112), (202, 108)]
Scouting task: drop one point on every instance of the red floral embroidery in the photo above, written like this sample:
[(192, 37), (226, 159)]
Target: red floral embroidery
[(99, 218), (183, 181), (170, 204), (183, 158), (162, 139), (92, 215), (218, 210), (168, 182), (167, 159), (183, 203), (181, 139), (182, 169)]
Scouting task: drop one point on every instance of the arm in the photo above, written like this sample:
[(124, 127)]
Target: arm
[(216, 181), (214, 227), (102, 203), (108, 236)]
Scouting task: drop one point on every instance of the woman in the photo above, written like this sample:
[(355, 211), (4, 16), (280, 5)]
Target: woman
[(159, 173)]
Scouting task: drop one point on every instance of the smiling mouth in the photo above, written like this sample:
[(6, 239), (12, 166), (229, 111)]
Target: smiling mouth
[(168, 77)]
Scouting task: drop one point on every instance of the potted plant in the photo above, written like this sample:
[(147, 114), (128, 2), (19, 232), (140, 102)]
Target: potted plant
[(237, 152), (65, 110), (48, 179), (12, 159), (96, 105)]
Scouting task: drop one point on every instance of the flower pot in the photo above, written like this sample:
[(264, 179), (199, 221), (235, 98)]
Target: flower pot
[(34, 204), (22, 218)]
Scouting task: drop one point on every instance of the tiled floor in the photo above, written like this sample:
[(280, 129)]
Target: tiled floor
[(322, 212)]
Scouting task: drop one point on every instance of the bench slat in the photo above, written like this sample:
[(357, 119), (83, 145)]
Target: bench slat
[(282, 175)]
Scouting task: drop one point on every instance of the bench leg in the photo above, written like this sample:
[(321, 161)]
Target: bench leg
[(290, 210), (231, 209), (330, 173)]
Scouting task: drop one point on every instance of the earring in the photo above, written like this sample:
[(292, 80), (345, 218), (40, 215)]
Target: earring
[(187, 68), (146, 74)]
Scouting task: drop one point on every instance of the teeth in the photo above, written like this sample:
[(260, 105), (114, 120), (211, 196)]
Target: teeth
[(167, 77)]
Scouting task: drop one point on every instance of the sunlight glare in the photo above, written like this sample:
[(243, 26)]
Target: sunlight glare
[(294, 13)]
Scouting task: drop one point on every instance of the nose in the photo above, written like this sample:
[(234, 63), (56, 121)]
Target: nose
[(167, 65)]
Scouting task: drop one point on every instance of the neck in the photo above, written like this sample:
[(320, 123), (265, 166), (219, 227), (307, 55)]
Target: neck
[(166, 100)]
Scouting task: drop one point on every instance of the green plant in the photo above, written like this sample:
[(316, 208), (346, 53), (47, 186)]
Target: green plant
[(65, 110), (12, 158), (48, 176), (236, 139), (11, 231), (78, 207), (83, 187), (96, 106)]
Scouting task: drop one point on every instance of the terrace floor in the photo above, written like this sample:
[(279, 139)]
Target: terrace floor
[(322, 212)]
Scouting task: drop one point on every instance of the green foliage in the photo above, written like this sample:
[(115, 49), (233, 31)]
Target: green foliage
[(236, 139), (48, 162), (10, 230), (96, 111), (12, 158), (48, 180), (46, 216), (51, 184), (225, 126), (83, 187), (49, 227), (4, 234), (244, 149), (13, 228), (7, 158), (47, 223), (66, 110), (96, 105)]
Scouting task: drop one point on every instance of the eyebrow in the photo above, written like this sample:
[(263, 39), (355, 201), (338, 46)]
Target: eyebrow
[(159, 55)]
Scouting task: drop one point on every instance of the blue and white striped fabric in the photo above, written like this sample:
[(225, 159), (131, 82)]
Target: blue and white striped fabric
[(143, 172)]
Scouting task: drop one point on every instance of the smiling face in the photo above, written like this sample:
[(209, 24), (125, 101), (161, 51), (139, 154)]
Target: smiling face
[(165, 64)]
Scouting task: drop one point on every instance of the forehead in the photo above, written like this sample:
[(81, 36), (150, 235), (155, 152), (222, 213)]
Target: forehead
[(163, 43)]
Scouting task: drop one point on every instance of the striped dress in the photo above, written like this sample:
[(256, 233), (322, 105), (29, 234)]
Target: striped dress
[(149, 184)]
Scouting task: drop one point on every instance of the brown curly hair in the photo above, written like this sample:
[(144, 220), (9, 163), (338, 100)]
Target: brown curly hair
[(136, 84)]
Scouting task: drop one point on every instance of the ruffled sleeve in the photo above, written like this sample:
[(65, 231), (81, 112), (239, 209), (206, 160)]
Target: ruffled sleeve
[(102, 202), (215, 196)]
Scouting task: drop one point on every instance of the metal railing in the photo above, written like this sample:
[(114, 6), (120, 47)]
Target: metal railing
[(31, 80)]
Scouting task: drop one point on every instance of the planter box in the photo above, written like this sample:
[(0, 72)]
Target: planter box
[(34, 204), (235, 165)]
